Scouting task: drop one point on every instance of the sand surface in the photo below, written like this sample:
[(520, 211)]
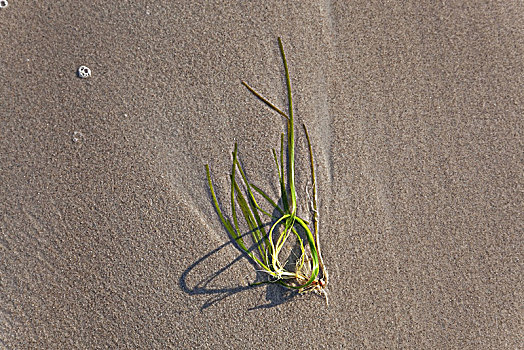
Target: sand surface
[(108, 236)]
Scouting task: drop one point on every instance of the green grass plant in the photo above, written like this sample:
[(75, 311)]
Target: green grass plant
[(308, 272)]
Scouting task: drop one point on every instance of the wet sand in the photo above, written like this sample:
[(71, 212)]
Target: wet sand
[(108, 236)]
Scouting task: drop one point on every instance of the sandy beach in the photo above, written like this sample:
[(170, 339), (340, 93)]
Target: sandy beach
[(108, 234)]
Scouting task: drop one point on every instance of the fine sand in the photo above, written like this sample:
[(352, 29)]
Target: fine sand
[(108, 235)]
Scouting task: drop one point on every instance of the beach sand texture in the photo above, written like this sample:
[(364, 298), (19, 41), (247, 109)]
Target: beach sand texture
[(108, 235)]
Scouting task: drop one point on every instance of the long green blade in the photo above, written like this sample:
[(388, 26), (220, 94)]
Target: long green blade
[(251, 222), (290, 134), (283, 190), (267, 198), (261, 232), (265, 100), (226, 223), (229, 227)]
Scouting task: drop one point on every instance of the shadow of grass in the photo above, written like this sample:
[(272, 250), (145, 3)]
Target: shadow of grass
[(275, 293)]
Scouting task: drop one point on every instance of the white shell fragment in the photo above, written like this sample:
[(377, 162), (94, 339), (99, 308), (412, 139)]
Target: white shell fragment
[(3, 3), (84, 72), (78, 137)]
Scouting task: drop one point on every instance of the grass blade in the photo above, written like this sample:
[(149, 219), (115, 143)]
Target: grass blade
[(265, 100), (261, 232), (267, 198)]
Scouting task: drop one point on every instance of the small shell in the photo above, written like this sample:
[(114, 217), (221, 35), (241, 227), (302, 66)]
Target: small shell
[(3, 3), (84, 72), (77, 137)]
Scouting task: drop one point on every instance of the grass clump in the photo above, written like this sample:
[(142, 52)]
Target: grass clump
[(307, 273)]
